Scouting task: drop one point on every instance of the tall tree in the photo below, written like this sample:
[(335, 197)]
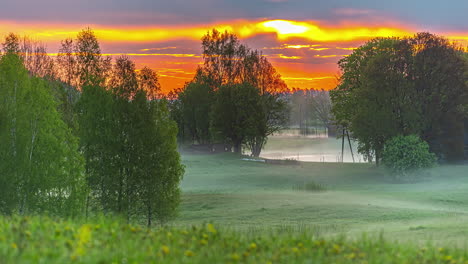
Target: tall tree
[(237, 113), (40, 161), (92, 68), (66, 61), (148, 81), (393, 87)]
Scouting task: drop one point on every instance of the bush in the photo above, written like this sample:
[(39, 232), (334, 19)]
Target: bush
[(310, 187), (406, 155)]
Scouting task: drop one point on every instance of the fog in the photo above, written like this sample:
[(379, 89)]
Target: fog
[(313, 148)]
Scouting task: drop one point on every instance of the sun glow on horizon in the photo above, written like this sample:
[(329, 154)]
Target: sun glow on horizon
[(293, 45)]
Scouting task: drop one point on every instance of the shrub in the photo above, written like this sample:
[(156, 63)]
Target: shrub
[(310, 187), (406, 155)]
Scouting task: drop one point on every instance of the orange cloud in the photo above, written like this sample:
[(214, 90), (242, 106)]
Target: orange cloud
[(295, 40), (284, 29)]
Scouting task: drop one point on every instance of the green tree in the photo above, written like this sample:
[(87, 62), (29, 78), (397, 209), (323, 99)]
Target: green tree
[(155, 160), (40, 162), (91, 67), (375, 100), (440, 82), (197, 100), (130, 146), (403, 86), (237, 113), (148, 81)]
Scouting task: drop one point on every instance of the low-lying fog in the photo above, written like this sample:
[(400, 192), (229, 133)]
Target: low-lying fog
[(316, 148)]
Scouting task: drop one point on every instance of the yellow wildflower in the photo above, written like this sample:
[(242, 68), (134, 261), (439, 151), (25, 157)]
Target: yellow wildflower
[(188, 253), (253, 245), (165, 250), (235, 257), (211, 228), (13, 245)]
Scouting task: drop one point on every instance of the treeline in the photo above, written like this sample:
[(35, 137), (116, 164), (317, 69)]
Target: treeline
[(80, 134), (234, 98), (405, 86), (310, 108)]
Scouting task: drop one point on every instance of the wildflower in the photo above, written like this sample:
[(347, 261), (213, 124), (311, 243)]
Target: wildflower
[(295, 250), (13, 245), (351, 256), (246, 254), (188, 253), (447, 258), (235, 257), (203, 242), (165, 250), (211, 228), (336, 248), (253, 245)]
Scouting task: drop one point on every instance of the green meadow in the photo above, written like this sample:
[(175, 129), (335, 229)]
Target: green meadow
[(354, 199), (239, 211)]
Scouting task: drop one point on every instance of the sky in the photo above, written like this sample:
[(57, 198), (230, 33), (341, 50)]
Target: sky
[(303, 39)]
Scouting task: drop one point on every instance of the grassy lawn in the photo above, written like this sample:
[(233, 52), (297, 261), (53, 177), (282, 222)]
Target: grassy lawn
[(248, 195)]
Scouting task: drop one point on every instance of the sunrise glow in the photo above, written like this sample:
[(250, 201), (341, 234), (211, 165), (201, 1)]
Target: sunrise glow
[(304, 52)]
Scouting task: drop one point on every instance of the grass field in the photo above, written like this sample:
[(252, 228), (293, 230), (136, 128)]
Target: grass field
[(236, 211), (248, 195), (42, 240)]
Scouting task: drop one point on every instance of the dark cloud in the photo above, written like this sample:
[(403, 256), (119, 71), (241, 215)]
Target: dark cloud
[(437, 15)]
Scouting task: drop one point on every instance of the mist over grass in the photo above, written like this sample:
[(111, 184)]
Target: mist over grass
[(358, 199), (313, 148)]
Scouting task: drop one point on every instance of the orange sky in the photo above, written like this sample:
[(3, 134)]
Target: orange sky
[(304, 52)]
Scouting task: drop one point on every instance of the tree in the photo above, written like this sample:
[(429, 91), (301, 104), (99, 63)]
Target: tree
[(148, 81), (33, 55), (237, 113), (67, 63), (92, 68), (196, 101), (228, 63), (440, 82), (156, 162), (11, 43), (405, 86), (321, 107), (130, 146), (40, 162)]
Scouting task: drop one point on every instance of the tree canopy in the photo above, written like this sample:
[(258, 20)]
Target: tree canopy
[(393, 86)]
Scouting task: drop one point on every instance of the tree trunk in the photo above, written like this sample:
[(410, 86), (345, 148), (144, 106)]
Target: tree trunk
[(149, 214), (238, 147), (377, 158)]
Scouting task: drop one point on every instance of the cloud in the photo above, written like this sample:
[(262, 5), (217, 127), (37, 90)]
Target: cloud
[(353, 12)]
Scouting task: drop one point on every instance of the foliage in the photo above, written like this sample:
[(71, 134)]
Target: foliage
[(226, 64), (130, 147), (42, 170), (196, 101), (394, 86), (237, 113), (405, 155), (41, 240)]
